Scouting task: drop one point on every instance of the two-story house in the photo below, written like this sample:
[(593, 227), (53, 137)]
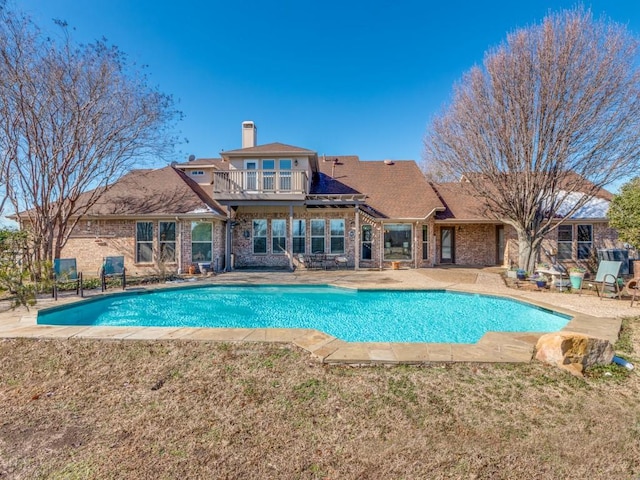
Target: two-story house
[(283, 207)]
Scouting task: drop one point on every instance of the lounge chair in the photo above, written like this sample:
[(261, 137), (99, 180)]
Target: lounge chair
[(606, 281), (65, 270), (113, 267)]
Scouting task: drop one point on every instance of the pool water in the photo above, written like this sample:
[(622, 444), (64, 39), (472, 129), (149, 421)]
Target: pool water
[(351, 315)]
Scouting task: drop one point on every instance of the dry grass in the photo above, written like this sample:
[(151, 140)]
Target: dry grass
[(96, 409)]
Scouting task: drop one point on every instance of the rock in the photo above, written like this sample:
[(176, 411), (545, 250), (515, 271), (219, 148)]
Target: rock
[(573, 351)]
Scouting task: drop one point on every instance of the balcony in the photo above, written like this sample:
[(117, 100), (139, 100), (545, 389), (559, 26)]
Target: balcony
[(251, 185)]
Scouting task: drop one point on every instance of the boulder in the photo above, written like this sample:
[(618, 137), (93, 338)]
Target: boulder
[(573, 351)]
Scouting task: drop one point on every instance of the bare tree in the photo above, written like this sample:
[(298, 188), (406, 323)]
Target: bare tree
[(73, 118), (550, 118)]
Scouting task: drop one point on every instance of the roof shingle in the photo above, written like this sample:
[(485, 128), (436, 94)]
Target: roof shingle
[(154, 192), (395, 190)]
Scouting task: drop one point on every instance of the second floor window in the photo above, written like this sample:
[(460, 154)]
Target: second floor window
[(285, 174)]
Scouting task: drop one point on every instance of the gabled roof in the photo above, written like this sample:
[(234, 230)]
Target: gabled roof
[(464, 205), (461, 203), (165, 191), (271, 148), (395, 190)]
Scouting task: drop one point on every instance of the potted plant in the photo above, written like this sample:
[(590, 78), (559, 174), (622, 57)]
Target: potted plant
[(576, 275), (521, 274), (541, 282)]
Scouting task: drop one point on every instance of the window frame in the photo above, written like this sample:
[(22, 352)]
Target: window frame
[(425, 242), (255, 237), (146, 242), (579, 251), (279, 243), (208, 242), (163, 243), (391, 243), (366, 241), (317, 237), (336, 239), (561, 253), (296, 239)]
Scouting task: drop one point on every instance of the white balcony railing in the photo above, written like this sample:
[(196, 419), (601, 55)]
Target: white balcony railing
[(260, 181)]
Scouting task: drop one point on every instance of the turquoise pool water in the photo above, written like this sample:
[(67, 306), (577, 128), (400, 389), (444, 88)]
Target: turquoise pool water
[(353, 316)]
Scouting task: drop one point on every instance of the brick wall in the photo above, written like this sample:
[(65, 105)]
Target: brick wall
[(474, 244), (603, 237), (93, 240), (243, 233)]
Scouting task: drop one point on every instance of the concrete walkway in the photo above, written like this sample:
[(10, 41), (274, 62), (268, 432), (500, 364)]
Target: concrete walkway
[(590, 315)]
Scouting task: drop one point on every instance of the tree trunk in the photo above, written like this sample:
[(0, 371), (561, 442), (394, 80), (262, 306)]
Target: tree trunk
[(528, 250)]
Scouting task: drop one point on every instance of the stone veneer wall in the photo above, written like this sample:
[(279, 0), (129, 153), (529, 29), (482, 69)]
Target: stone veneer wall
[(93, 240)]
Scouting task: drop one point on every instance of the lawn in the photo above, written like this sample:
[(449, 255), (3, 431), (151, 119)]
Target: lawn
[(73, 409)]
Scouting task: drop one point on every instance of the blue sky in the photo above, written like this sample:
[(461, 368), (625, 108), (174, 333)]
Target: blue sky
[(338, 77)]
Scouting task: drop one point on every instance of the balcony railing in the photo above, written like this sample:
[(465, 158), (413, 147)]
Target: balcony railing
[(260, 182)]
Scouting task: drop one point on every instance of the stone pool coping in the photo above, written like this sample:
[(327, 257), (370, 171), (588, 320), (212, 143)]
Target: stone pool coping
[(493, 346)]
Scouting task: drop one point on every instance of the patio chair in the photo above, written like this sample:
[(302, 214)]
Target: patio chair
[(113, 267), (606, 281), (65, 270), (341, 262), (633, 287)]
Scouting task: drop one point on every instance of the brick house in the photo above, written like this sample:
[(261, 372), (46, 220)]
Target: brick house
[(281, 206)]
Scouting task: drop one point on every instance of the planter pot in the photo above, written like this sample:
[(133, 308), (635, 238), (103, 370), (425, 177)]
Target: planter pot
[(576, 280), (521, 276), (541, 283)]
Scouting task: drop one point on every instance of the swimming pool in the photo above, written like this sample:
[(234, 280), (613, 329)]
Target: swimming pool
[(351, 315)]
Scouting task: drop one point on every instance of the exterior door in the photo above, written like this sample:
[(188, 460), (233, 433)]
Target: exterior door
[(447, 245), (500, 245)]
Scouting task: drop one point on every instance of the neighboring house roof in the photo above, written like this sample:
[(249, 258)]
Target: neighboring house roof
[(596, 207), (395, 190), (165, 191), (200, 162)]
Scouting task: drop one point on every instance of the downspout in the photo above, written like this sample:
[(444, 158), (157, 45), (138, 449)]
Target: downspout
[(179, 227), (381, 237), (290, 238), (227, 246), (356, 260), (415, 247)]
